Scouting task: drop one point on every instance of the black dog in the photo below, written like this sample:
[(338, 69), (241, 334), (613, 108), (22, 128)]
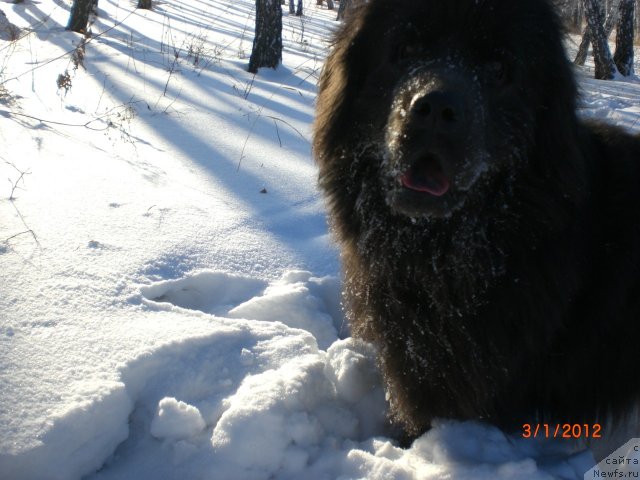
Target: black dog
[(490, 239)]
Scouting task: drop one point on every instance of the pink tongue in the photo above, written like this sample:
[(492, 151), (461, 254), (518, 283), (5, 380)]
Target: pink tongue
[(436, 183)]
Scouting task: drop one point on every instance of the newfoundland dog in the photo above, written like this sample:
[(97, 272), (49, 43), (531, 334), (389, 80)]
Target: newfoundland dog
[(490, 239)]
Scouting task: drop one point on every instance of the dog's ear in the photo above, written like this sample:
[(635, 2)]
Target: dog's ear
[(343, 76)]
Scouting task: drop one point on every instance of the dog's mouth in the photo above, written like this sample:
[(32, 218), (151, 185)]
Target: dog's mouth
[(426, 175)]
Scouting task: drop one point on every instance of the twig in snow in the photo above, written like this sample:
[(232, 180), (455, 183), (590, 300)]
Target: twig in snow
[(6, 240), (15, 185), (275, 124), (8, 114), (12, 199)]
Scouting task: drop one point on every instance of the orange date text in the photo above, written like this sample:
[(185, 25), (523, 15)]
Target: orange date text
[(561, 430)]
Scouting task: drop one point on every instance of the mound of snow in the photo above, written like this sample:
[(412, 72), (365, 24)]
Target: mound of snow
[(176, 420), (298, 300)]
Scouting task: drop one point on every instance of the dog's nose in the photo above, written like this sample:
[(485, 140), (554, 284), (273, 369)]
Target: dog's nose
[(439, 109)]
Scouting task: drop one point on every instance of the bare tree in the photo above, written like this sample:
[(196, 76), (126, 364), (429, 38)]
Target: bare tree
[(577, 15), (293, 10), (81, 10), (342, 10), (267, 43), (329, 4), (620, 13), (571, 13), (623, 57), (605, 68), (583, 50)]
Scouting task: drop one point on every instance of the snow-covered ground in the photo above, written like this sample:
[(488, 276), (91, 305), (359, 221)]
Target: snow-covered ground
[(169, 293)]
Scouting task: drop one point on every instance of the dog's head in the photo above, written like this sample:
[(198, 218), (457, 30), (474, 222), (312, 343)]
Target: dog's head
[(450, 95)]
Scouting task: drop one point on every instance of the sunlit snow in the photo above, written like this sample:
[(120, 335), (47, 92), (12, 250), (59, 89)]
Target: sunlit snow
[(169, 290)]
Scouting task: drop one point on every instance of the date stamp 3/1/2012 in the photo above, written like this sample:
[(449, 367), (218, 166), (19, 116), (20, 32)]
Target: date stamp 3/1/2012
[(561, 430)]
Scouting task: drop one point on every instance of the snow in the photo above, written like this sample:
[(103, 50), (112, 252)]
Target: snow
[(176, 420), (163, 318)]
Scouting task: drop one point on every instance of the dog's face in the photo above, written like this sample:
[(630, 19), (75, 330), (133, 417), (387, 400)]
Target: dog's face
[(438, 133), (451, 98)]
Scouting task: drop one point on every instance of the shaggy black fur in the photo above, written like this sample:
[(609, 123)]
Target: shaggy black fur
[(490, 239)]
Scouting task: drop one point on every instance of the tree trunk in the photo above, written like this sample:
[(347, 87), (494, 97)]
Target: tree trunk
[(267, 43), (605, 67), (581, 56), (342, 10), (623, 57), (81, 10), (576, 16), (329, 4), (293, 10)]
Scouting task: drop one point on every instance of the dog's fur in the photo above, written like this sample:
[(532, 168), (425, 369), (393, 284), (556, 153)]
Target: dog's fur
[(490, 239)]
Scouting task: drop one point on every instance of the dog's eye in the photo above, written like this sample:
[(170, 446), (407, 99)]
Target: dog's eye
[(406, 51), (496, 73)]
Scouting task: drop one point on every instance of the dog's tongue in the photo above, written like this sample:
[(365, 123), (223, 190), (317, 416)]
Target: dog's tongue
[(426, 175)]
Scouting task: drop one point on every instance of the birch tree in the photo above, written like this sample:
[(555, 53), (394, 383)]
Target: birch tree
[(267, 43), (623, 56), (583, 50), (81, 10), (605, 68), (342, 9), (293, 10)]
